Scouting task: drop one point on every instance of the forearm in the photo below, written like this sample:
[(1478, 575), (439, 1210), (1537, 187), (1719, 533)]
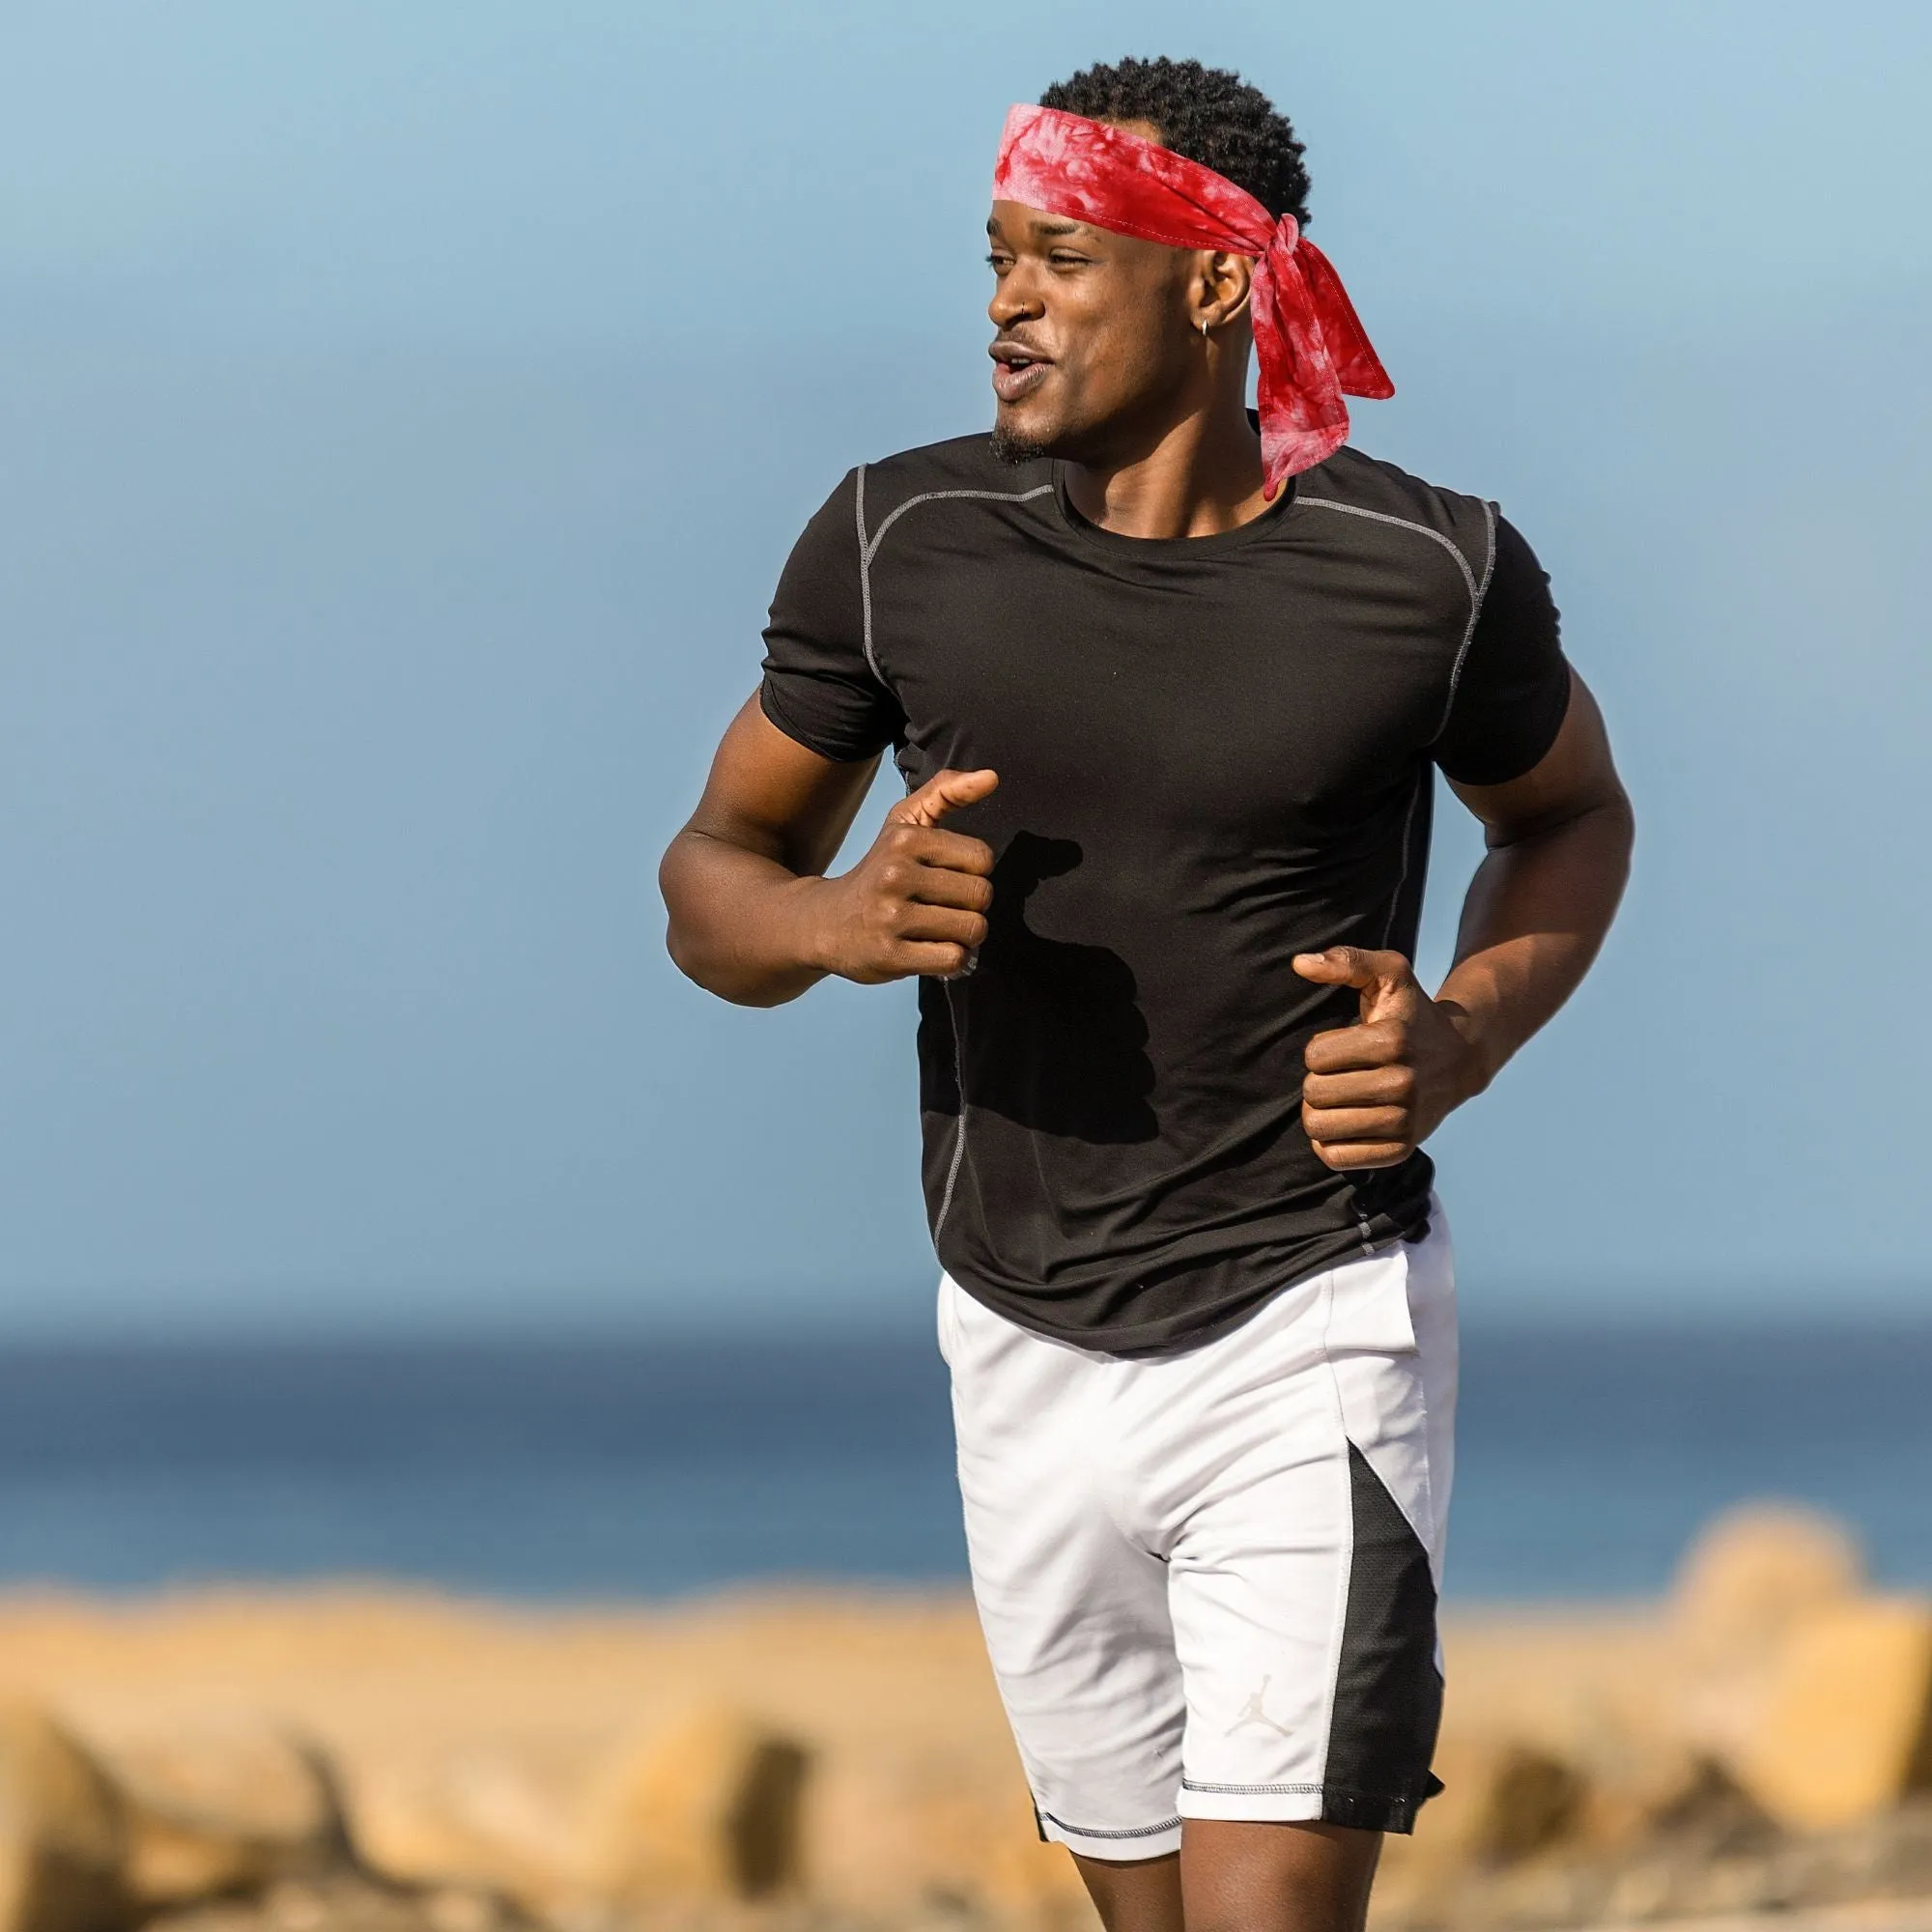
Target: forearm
[(742, 923), (1533, 921)]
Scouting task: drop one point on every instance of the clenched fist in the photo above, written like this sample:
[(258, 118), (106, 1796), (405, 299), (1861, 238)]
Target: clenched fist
[(916, 903), (1375, 1091)]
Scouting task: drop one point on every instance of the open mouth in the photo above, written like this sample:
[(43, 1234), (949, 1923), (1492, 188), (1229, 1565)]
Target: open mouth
[(1016, 372)]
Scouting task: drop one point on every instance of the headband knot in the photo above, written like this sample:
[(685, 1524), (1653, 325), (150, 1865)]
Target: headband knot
[(1311, 349)]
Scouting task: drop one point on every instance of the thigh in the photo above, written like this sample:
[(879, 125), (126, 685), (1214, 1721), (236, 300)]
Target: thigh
[(1303, 1581), (1073, 1606)]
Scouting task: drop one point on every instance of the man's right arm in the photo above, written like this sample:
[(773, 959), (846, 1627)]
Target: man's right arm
[(754, 920)]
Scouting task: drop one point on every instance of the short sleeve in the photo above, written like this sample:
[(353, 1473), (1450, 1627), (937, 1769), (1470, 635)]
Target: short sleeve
[(1514, 688), (819, 687)]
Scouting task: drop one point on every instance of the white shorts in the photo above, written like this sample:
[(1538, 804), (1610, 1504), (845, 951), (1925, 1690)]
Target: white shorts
[(1208, 1579)]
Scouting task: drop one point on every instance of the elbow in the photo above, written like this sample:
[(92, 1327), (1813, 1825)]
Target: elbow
[(716, 976), (685, 958), (1609, 823), (1608, 845), (711, 935), (720, 974), (1620, 816), (701, 964), (684, 938), (677, 938)]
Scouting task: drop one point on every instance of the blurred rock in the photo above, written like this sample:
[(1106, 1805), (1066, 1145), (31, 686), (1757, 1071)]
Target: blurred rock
[(835, 1762), (1748, 1582), (704, 1805), (942, 1838), (1846, 1731), (1648, 1789), (63, 1831), (1756, 1572), (1501, 1801), (348, 1904), (218, 1811), (471, 1816)]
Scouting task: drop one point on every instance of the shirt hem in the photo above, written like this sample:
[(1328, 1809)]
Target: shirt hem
[(1190, 1328)]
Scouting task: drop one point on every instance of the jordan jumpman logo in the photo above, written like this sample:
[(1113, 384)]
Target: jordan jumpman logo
[(1255, 1712)]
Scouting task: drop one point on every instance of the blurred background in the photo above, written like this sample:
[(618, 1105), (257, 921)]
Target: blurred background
[(405, 414)]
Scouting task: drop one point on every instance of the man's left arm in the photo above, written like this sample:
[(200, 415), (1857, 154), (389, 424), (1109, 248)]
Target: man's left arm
[(1559, 847)]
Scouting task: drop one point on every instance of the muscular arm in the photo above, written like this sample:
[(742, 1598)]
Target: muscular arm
[(754, 920), (1535, 916), (1542, 901)]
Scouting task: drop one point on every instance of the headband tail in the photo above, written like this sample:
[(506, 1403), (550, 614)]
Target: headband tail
[(1359, 369), (1303, 418)]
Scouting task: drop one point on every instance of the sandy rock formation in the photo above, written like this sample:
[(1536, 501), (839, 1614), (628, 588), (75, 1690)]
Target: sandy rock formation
[(840, 1763), (1757, 1570), (1816, 1700), (706, 1807), (63, 1831), (345, 1903), (1845, 1731), (935, 1838), (228, 1826), (499, 1816), (224, 1809), (1745, 1586), (1502, 1800)]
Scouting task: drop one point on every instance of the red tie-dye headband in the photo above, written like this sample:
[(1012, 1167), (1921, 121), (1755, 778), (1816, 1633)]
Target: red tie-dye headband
[(1310, 346)]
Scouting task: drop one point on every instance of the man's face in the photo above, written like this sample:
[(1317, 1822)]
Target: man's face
[(1094, 348)]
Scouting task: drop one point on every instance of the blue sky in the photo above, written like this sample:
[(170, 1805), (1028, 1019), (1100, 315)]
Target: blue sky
[(404, 412)]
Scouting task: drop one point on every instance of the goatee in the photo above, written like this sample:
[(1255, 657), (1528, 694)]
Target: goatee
[(1014, 449)]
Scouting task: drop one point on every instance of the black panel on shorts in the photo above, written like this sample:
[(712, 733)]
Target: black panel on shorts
[(1388, 1691)]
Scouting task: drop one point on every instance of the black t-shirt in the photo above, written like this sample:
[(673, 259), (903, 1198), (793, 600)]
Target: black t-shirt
[(1214, 752)]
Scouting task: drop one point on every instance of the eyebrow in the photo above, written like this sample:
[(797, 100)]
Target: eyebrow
[(1042, 227)]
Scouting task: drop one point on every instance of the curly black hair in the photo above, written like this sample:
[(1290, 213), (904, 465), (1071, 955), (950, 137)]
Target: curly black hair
[(1207, 114)]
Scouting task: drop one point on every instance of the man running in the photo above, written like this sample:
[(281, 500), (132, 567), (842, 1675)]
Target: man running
[(1167, 684)]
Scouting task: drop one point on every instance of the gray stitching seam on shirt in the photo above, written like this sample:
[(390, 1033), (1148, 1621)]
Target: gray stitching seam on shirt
[(867, 550), (953, 496), (1362, 1221), (959, 1126), (1475, 614), (1421, 530), (1408, 844), (1477, 592), (864, 573)]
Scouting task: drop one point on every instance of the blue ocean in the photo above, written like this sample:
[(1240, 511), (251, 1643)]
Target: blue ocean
[(623, 1467)]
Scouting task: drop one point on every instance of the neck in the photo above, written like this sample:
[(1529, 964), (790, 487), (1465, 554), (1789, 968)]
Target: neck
[(1194, 478)]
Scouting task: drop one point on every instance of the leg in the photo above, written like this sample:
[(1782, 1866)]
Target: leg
[(1073, 1604), (1144, 1897), (1302, 1593), (1273, 1878)]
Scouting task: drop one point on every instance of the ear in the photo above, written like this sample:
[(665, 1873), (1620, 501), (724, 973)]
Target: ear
[(1221, 287)]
